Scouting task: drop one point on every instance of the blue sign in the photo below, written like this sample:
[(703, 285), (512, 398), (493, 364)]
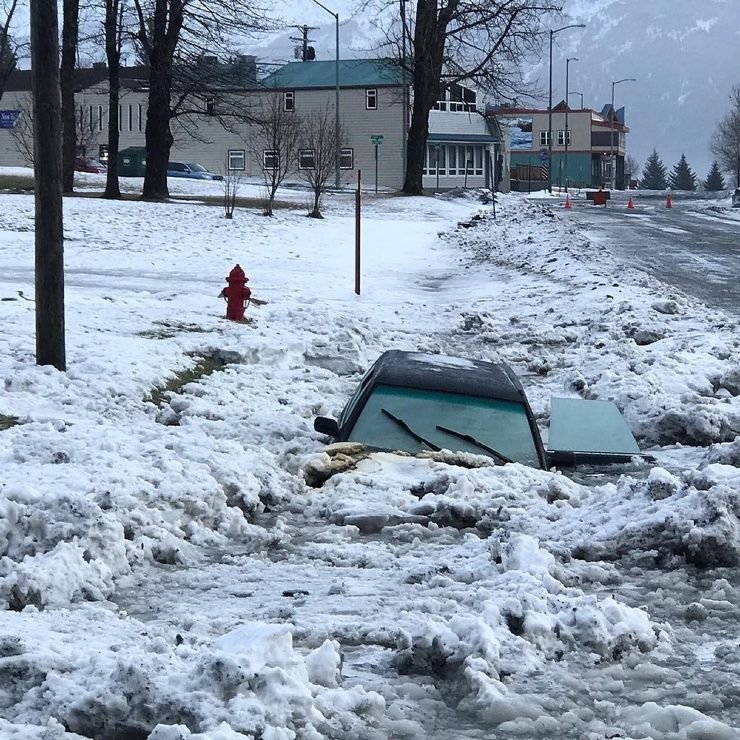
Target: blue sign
[(8, 118), (544, 156)]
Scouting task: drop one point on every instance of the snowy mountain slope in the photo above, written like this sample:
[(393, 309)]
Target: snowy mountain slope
[(684, 55)]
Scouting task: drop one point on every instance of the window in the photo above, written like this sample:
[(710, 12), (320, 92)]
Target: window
[(130, 117), (210, 105), (306, 159), (452, 160), (270, 159), (120, 117), (478, 159), (100, 118), (140, 115), (82, 117), (177, 167), (371, 98), (501, 425), (236, 159), (562, 138), (346, 159), (289, 100), (435, 159), (91, 119), (440, 153), (544, 138)]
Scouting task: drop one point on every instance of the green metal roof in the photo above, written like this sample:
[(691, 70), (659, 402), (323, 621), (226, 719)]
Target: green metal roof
[(352, 73)]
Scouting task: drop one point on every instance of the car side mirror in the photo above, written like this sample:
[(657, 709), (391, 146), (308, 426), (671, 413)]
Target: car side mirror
[(325, 425)]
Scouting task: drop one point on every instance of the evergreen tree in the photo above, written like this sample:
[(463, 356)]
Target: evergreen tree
[(682, 177), (654, 174), (715, 181)]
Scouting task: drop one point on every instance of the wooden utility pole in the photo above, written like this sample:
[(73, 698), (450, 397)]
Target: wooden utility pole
[(47, 142)]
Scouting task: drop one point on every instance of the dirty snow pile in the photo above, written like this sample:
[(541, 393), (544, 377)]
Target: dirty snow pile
[(167, 573)]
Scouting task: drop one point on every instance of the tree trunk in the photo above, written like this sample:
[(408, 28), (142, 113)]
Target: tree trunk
[(429, 41), (161, 43), (113, 55), (158, 135), (416, 148), (49, 232), (70, 25)]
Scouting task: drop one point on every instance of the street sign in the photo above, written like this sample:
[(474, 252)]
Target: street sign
[(8, 118), (376, 139), (544, 156)]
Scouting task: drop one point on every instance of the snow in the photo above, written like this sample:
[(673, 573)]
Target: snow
[(166, 571)]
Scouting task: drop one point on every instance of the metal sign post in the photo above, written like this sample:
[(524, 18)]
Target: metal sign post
[(376, 140), (545, 164), (358, 222)]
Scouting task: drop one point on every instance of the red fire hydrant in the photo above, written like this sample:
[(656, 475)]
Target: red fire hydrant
[(236, 294)]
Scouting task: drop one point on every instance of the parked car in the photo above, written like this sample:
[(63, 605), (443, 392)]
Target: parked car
[(736, 198), (191, 169), (410, 401), (89, 165)]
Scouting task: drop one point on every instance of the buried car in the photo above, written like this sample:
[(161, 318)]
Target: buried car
[(415, 402)]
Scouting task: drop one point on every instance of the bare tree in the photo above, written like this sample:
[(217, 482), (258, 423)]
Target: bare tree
[(449, 42), (318, 150), (632, 167), (725, 144), (275, 145), (23, 138), (8, 55), (49, 230), (179, 39), (231, 183), (22, 132)]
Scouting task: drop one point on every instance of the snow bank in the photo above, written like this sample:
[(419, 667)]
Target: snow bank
[(249, 681)]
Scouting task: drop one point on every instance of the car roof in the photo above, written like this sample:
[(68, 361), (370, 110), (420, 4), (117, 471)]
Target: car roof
[(464, 376)]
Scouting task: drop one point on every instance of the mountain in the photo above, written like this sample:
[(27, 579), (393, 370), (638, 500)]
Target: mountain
[(683, 53)]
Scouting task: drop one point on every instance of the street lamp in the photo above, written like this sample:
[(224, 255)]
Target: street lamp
[(549, 105), (567, 133), (573, 92), (612, 159), (336, 93)]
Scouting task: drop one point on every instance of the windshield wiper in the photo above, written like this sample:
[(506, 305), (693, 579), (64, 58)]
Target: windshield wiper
[(401, 423), (476, 442)]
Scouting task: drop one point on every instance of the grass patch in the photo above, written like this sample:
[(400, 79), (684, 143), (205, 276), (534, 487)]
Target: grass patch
[(241, 201), (8, 421), (169, 329), (204, 366), (16, 182)]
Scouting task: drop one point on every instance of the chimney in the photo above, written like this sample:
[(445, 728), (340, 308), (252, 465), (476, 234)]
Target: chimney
[(247, 66)]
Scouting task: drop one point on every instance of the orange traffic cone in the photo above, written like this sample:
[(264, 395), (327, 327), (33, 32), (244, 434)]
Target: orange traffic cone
[(631, 203), (668, 202), (568, 203)]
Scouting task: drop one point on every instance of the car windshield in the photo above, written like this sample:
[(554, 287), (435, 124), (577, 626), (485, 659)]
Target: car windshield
[(500, 425), (197, 167)]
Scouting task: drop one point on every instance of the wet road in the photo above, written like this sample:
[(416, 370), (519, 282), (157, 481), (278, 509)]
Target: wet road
[(694, 246)]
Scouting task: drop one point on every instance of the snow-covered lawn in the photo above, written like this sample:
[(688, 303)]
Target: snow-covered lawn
[(166, 572)]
